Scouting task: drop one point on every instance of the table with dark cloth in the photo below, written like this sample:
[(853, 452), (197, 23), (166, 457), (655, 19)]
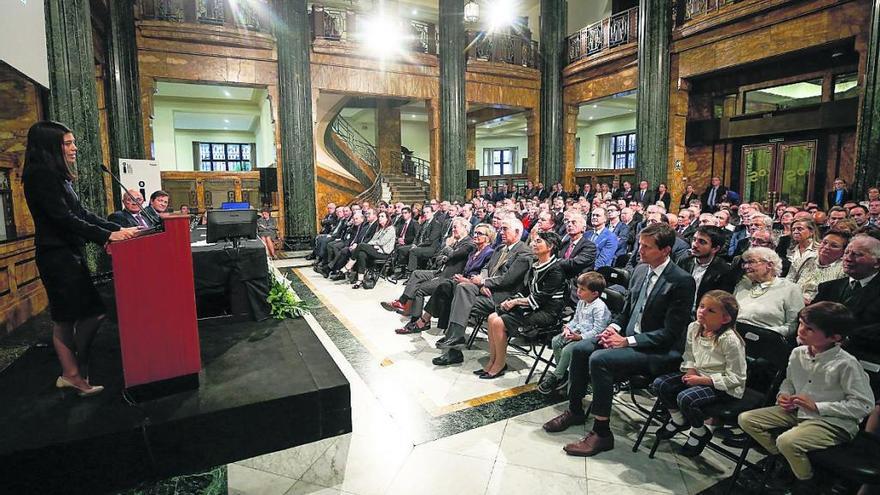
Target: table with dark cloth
[(229, 279)]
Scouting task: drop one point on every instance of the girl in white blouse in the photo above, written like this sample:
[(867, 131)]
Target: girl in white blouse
[(713, 369)]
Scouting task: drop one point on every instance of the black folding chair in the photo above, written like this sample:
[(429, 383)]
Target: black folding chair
[(767, 355), (614, 276)]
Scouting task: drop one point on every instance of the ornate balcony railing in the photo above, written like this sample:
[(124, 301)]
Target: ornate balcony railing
[(337, 24), (504, 48), (620, 29), (686, 10), (253, 15)]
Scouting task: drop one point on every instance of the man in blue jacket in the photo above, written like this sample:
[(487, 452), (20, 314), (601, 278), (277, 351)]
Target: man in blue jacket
[(603, 238)]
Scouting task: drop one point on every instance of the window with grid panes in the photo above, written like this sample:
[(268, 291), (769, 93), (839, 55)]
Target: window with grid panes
[(623, 150), (226, 157)]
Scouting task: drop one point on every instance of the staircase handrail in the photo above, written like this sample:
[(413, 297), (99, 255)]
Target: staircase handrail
[(416, 167), (364, 150)]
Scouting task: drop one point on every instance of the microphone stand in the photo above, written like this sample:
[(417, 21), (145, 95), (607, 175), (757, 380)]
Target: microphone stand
[(159, 224)]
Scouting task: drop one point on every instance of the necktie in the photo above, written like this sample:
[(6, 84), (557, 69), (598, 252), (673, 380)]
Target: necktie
[(642, 196), (854, 288), (839, 198), (403, 232), (140, 220), (712, 197), (500, 263), (570, 249), (636, 316)]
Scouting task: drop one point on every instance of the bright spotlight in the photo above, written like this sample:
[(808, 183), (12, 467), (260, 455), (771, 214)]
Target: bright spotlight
[(382, 37), (501, 14)]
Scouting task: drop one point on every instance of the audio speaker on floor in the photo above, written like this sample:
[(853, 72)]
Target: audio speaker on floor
[(473, 179), (268, 180)]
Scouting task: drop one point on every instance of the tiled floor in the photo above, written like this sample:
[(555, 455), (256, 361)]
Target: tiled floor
[(510, 456)]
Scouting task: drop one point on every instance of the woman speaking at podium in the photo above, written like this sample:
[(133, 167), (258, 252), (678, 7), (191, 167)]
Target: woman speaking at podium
[(62, 228)]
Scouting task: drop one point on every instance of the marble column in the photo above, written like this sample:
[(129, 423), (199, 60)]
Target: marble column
[(533, 141), (570, 143), (295, 119), (867, 168), (73, 100), (652, 126), (124, 109), (453, 106), (388, 136), (553, 30)]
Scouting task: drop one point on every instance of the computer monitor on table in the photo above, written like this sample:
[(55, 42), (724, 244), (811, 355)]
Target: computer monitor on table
[(231, 225)]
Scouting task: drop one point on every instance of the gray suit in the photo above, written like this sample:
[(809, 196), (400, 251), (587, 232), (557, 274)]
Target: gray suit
[(502, 276)]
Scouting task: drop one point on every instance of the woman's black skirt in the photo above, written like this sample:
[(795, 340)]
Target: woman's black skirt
[(68, 282)]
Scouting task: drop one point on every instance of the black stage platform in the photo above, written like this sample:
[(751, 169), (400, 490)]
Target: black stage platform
[(259, 393)]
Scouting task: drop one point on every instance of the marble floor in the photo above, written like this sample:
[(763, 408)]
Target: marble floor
[(422, 429)]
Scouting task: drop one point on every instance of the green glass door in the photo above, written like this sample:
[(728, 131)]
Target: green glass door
[(757, 166), (796, 162)]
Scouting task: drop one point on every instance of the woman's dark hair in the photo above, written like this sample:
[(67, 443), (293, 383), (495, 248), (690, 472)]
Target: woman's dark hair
[(44, 149), (553, 239)]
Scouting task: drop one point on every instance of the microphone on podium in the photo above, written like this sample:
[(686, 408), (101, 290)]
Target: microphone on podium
[(157, 220)]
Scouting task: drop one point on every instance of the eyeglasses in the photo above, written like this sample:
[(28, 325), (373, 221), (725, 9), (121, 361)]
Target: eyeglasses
[(752, 262), (481, 233)]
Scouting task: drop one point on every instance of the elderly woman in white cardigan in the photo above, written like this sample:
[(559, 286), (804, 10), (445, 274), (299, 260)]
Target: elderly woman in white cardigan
[(367, 253), (765, 299)]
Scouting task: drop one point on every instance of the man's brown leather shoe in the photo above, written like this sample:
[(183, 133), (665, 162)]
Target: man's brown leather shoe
[(591, 445), (563, 422)]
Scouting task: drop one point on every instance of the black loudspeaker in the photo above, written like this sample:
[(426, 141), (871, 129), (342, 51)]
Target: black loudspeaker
[(268, 180), (473, 179)]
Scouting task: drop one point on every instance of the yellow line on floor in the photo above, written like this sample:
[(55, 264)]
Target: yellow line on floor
[(476, 401), (426, 402)]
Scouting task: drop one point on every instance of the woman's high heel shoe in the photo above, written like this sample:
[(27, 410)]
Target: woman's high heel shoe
[(62, 382)]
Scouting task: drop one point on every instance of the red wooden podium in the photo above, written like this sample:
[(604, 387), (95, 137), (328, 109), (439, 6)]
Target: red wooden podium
[(156, 308)]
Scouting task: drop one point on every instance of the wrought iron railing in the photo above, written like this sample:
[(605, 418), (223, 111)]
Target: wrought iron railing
[(620, 29), (504, 48), (360, 148), (337, 24), (690, 9), (253, 15), (413, 166)]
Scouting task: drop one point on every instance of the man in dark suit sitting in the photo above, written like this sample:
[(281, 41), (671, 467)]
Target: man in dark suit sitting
[(577, 254), (859, 291), (710, 272), (426, 243), (646, 338), (452, 303), (131, 213)]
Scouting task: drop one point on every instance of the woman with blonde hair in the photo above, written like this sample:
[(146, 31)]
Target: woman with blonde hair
[(765, 299)]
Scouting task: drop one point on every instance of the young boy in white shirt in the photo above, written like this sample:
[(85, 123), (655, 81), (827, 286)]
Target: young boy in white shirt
[(590, 318), (824, 397)]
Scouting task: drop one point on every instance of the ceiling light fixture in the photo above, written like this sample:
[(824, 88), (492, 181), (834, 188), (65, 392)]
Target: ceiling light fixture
[(502, 13), (472, 12)]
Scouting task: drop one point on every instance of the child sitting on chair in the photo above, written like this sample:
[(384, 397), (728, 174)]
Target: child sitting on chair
[(824, 397), (590, 318), (713, 368)]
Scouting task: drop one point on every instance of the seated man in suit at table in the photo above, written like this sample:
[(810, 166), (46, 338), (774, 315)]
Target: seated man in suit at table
[(647, 337), (131, 214)]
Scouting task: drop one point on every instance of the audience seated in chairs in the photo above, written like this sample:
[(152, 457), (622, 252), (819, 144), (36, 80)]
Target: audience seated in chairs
[(647, 337), (713, 369), (426, 243), (824, 397), (766, 299), (367, 253), (537, 304), (463, 257), (453, 302), (578, 254), (591, 317)]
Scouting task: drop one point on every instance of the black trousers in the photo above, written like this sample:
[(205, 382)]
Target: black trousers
[(419, 254), (365, 257)]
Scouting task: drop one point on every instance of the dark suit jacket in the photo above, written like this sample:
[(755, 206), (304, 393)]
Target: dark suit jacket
[(509, 276), (647, 200), (665, 197), (865, 307), (59, 217), (582, 259), (542, 194), (718, 275), (622, 233), (411, 232), (328, 222), (832, 195), (458, 257), (686, 199), (689, 231), (151, 216), (704, 198), (372, 228), (666, 315), (430, 234), (123, 218)]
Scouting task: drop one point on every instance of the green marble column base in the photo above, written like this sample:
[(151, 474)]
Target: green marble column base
[(212, 482)]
